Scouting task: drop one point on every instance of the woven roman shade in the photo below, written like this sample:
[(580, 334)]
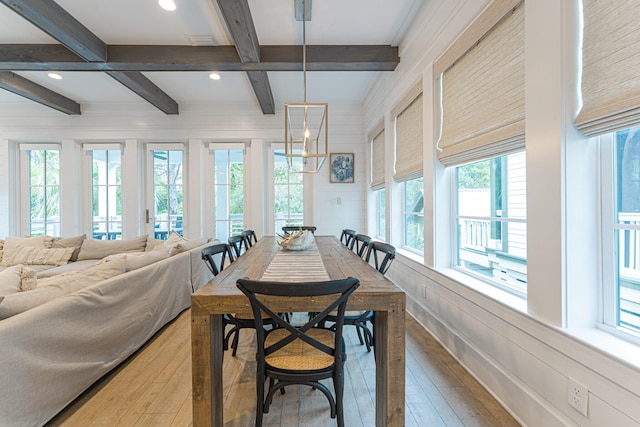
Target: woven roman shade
[(483, 87), (610, 64), (408, 125), (377, 161)]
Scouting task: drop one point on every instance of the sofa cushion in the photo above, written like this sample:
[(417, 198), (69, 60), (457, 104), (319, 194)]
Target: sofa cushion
[(57, 286), (29, 255), (11, 243), (16, 279), (186, 245), (154, 245), (139, 260), (69, 242), (98, 249)]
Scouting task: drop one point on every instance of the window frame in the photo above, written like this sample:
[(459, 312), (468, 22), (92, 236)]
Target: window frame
[(609, 272), (111, 233), (228, 147), (25, 167), (380, 197), (455, 247), (406, 213), (271, 220), (150, 219)]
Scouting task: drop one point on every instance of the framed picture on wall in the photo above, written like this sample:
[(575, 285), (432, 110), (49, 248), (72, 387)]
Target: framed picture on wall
[(341, 167)]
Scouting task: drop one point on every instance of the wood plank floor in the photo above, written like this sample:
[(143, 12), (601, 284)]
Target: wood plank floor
[(153, 388)]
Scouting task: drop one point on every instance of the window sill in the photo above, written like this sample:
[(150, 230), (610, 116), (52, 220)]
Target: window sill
[(411, 255), (500, 295)]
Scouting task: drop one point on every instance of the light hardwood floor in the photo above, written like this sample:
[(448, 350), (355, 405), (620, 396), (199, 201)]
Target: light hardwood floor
[(153, 388)]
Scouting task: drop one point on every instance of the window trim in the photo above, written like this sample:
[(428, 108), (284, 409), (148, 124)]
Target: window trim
[(25, 211)]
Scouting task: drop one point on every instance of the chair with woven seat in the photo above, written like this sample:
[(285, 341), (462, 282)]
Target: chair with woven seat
[(214, 257), (307, 354), (359, 244), (208, 254), (250, 238), (383, 255), (347, 236), (288, 229), (238, 244)]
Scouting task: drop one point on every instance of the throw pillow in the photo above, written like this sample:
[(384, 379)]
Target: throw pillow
[(155, 245), (98, 249), (70, 242), (10, 280), (11, 243), (17, 278), (186, 245), (38, 256)]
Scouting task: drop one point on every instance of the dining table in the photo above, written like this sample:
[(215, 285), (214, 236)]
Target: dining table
[(266, 260)]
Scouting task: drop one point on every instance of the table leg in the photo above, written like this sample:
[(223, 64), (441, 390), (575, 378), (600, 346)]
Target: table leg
[(390, 366), (207, 334)]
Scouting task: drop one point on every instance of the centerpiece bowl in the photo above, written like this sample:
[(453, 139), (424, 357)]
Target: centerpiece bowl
[(296, 241)]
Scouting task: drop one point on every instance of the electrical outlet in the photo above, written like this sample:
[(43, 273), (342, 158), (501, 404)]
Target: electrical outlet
[(578, 397)]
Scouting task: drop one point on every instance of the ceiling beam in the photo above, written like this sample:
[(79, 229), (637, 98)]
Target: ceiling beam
[(240, 23), (46, 57), (33, 91), (59, 24), (144, 87)]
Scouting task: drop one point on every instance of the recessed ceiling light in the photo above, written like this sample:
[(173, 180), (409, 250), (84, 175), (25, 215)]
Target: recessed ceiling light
[(167, 4), (214, 76), (55, 76)]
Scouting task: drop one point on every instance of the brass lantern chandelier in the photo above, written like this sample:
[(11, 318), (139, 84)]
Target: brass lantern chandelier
[(305, 129)]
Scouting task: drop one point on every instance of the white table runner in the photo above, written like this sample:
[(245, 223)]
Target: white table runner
[(286, 266)]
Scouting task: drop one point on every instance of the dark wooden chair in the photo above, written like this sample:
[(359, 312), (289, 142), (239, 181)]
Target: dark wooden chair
[(383, 255), (238, 244), (288, 229), (208, 254), (306, 354), (214, 257), (347, 236), (359, 244), (250, 238)]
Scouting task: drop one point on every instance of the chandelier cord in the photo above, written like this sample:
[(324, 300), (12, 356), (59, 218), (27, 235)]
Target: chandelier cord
[(304, 48)]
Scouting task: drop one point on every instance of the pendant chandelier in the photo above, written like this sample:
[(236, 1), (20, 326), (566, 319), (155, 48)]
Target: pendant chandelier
[(306, 123)]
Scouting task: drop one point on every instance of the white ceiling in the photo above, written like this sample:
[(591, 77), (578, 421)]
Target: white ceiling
[(381, 22)]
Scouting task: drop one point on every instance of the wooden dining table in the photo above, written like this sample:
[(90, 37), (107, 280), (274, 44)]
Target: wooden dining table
[(220, 296)]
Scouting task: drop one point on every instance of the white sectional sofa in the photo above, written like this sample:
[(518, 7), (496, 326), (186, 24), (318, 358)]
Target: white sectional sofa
[(51, 352)]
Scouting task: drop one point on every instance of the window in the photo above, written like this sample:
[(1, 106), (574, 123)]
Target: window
[(381, 210), (43, 182), (106, 194), (229, 193), (288, 192), (491, 220), (622, 227), (414, 214), (167, 192)]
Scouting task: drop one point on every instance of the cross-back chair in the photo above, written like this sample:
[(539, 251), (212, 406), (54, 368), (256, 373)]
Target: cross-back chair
[(288, 229), (238, 244), (359, 244), (249, 238), (383, 256), (209, 254), (215, 257), (347, 236), (306, 354)]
